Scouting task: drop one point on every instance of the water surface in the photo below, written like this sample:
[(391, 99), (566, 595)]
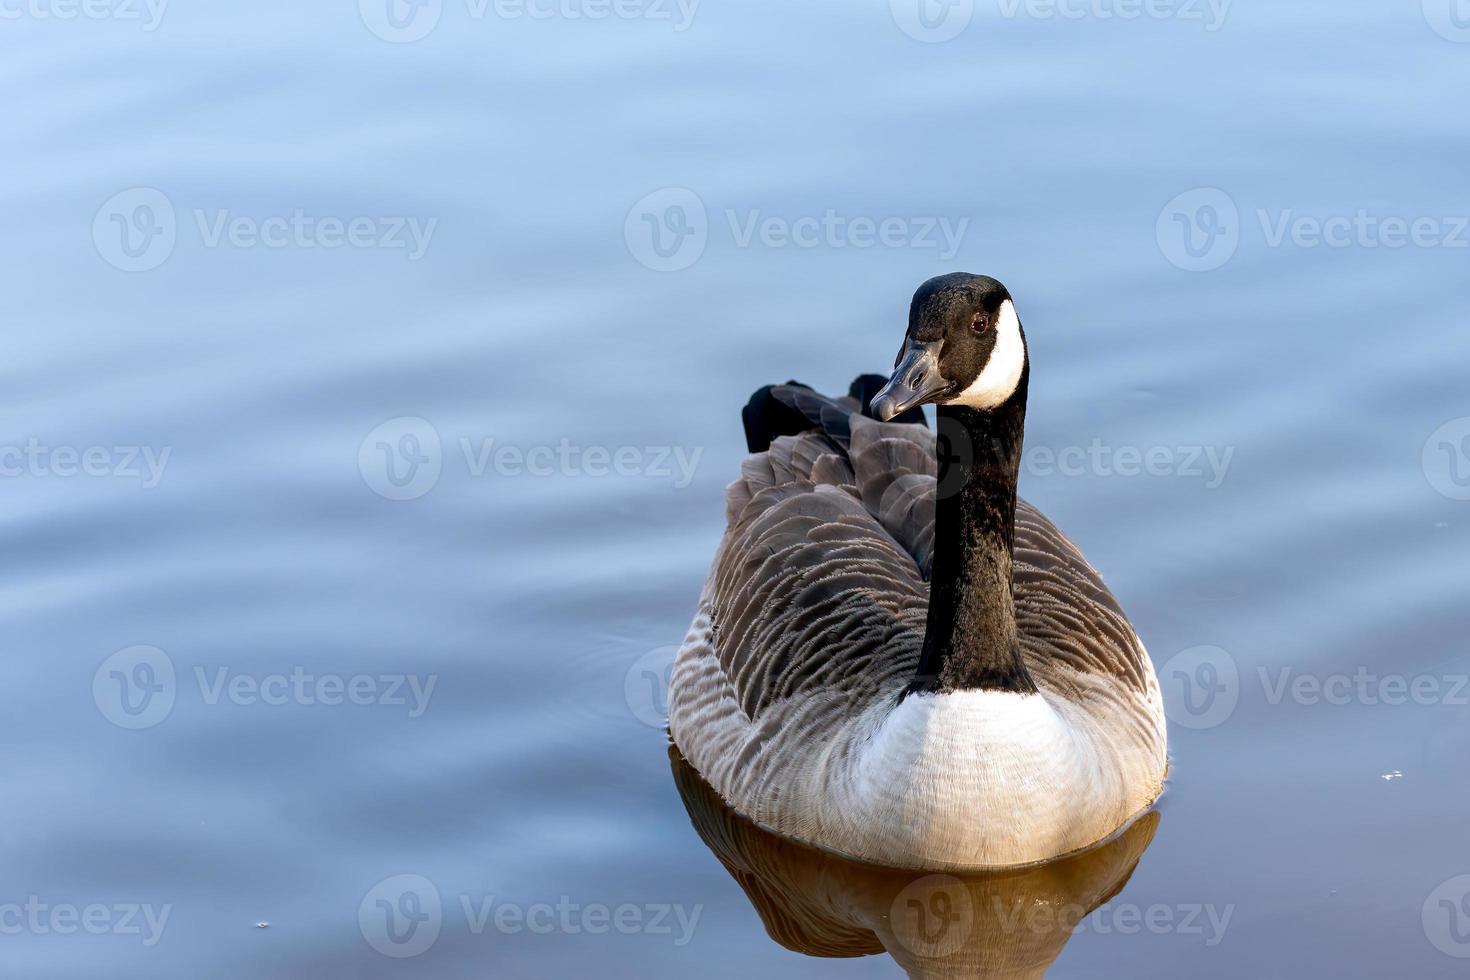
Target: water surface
[(490, 458)]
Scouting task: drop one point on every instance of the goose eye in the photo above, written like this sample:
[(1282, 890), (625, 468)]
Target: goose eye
[(981, 323)]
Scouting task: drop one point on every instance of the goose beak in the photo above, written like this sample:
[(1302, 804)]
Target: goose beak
[(915, 381)]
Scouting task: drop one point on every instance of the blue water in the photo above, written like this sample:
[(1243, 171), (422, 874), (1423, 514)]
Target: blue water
[(210, 659)]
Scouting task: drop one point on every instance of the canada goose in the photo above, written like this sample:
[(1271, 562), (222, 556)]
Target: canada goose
[(893, 657), (1012, 923)]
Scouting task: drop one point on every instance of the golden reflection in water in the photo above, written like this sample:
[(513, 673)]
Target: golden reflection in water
[(992, 924)]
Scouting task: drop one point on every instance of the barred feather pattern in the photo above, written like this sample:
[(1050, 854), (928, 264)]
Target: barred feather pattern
[(786, 694)]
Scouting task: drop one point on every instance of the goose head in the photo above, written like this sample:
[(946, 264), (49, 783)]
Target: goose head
[(964, 346)]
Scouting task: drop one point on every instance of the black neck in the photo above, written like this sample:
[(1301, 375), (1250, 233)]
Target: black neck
[(970, 641)]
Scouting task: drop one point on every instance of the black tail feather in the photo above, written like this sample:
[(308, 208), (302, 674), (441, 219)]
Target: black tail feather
[(829, 415), (767, 417), (794, 408)]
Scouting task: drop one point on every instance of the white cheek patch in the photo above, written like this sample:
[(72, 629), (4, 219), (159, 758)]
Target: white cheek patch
[(1002, 373)]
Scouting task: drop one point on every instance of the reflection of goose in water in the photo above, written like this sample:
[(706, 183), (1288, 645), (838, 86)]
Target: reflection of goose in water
[(1011, 923)]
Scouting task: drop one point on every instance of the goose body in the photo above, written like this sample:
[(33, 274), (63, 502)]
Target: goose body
[(894, 657)]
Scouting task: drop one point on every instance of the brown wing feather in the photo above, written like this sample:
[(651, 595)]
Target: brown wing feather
[(820, 585), (811, 594), (1065, 615)]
